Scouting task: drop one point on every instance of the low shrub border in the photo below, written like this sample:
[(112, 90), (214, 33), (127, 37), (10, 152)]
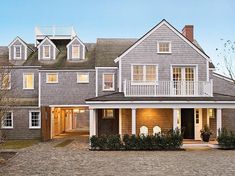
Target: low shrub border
[(226, 139), (172, 140)]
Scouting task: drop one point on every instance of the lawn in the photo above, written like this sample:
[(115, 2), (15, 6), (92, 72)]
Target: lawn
[(17, 144)]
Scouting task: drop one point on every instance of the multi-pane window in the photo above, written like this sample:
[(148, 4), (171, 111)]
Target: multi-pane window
[(5, 81), (52, 77), (28, 80), (197, 116), (211, 113), (82, 77), (108, 113), (34, 119), (164, 47), (189, 74), (144, 73), (17, 51), (75, 51), (46, 51), (7, 121), (108, 82)]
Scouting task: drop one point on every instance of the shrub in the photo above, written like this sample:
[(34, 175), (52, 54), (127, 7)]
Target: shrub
[(226, 139), (169, 141)]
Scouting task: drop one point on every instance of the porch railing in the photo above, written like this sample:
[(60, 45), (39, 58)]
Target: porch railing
[(168, 88)]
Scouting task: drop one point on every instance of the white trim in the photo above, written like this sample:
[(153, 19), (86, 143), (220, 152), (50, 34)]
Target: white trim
[(84, 47), (106, 67), (20, 57), (207, 71), (160, 52), (39, 89), (221, 77), (43, 52), (133, 121), (24, 80), (83, 73), (79, 51), (120, 76), (164, 22), (218, 120), (195, 66), (175, 118), (113, 88), (57, 78), (30, 120), (96, 82), (12, 122), (85, 70)]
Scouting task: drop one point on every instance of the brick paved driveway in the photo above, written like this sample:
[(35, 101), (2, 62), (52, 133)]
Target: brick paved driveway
[(75, 159)]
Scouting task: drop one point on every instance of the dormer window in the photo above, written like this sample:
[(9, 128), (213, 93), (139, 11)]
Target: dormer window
[(75, 51), (164, 47), (17, 51), (46, 51)]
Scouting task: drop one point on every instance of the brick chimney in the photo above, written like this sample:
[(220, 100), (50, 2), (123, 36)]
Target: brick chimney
[(188, 32)]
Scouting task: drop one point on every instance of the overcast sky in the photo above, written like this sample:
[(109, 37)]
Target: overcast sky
[(92, 19)]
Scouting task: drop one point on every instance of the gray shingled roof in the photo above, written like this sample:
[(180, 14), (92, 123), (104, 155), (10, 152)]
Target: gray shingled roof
[(119, 96)]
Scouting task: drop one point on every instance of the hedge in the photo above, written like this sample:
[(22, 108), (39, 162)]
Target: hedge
[(226, 139), (172, 140)]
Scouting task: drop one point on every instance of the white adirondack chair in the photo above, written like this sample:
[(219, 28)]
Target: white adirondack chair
[(156, 130), (144, 130)]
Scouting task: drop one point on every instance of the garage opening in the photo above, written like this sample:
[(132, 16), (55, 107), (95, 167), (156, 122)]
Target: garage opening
[(69, 121)]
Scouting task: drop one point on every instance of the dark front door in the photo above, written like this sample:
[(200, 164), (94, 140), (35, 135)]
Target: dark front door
[(108, 125), (187, 123), (45, 123)]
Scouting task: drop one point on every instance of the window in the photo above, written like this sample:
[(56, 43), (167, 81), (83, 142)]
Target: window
[(75, 51), (5, 81), (28, 81), (34, 119), (108, 114), (82, 77), (144, 73), (17, 51), (108, 82), (7, 121), (211, 113), (164, 47), (197, 116), (52, 78), (46, 51)]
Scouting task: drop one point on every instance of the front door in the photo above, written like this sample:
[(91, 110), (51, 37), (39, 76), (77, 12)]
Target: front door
[(187, 123), (198, 123)]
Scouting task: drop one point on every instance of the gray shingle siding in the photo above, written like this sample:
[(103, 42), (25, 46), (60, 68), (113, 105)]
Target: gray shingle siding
[(23, 50), (82, 48), (223, 86), (67, 90), (40, 49), (146, 53)]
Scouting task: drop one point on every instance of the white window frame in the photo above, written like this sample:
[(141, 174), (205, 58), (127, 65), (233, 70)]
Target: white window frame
[(9, 87), (30, 120), (8, 127), (144, 74), (76, 57), (80, 73), (103, 87), (48, 82), (43, 51), (15, 57), (24, 81), (167, 52)]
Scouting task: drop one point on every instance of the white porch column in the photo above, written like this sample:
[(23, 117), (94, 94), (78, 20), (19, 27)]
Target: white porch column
[(120, 122), (92, 122), (133, 121), (175, 118), (218, 120)]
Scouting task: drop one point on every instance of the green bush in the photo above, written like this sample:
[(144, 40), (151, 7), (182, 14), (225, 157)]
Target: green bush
[(170, 141), (226, 139)]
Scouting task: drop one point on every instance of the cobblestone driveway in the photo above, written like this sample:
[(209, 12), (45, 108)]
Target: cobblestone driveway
[(74, 159)]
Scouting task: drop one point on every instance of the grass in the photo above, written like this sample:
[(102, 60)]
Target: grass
[(64, 143), (17, 144)]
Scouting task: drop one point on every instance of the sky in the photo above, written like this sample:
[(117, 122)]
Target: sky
[(213, 20)]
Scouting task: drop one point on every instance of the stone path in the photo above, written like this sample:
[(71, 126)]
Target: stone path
[(76, 159)]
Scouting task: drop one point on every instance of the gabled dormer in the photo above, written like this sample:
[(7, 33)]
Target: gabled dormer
[(19, 50), (75, 49), (47, 50)]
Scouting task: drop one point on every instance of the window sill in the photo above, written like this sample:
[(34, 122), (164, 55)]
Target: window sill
[(7, 128), (34, 128), (28, 88), (108, 90)]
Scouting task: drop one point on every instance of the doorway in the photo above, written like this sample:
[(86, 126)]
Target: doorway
[(187, 123)]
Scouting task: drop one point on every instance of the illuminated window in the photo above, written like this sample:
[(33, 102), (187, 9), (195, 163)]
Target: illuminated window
[(82, 77), (5, 81), (108, 82), (17, 51), (7, 121), (164, 47), (138, 73), (197, 116), (108, 114), (75, 51), (144, 73), (34, 119), (46, 51), (211, 113), (28, 81), (52, 77)]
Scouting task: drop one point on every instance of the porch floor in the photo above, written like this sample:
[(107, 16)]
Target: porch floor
[(189, 141)]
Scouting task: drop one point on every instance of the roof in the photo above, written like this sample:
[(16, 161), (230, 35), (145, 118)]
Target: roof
[(119, 96)]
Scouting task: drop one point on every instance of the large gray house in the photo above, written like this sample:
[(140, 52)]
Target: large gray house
[(158, 82)]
